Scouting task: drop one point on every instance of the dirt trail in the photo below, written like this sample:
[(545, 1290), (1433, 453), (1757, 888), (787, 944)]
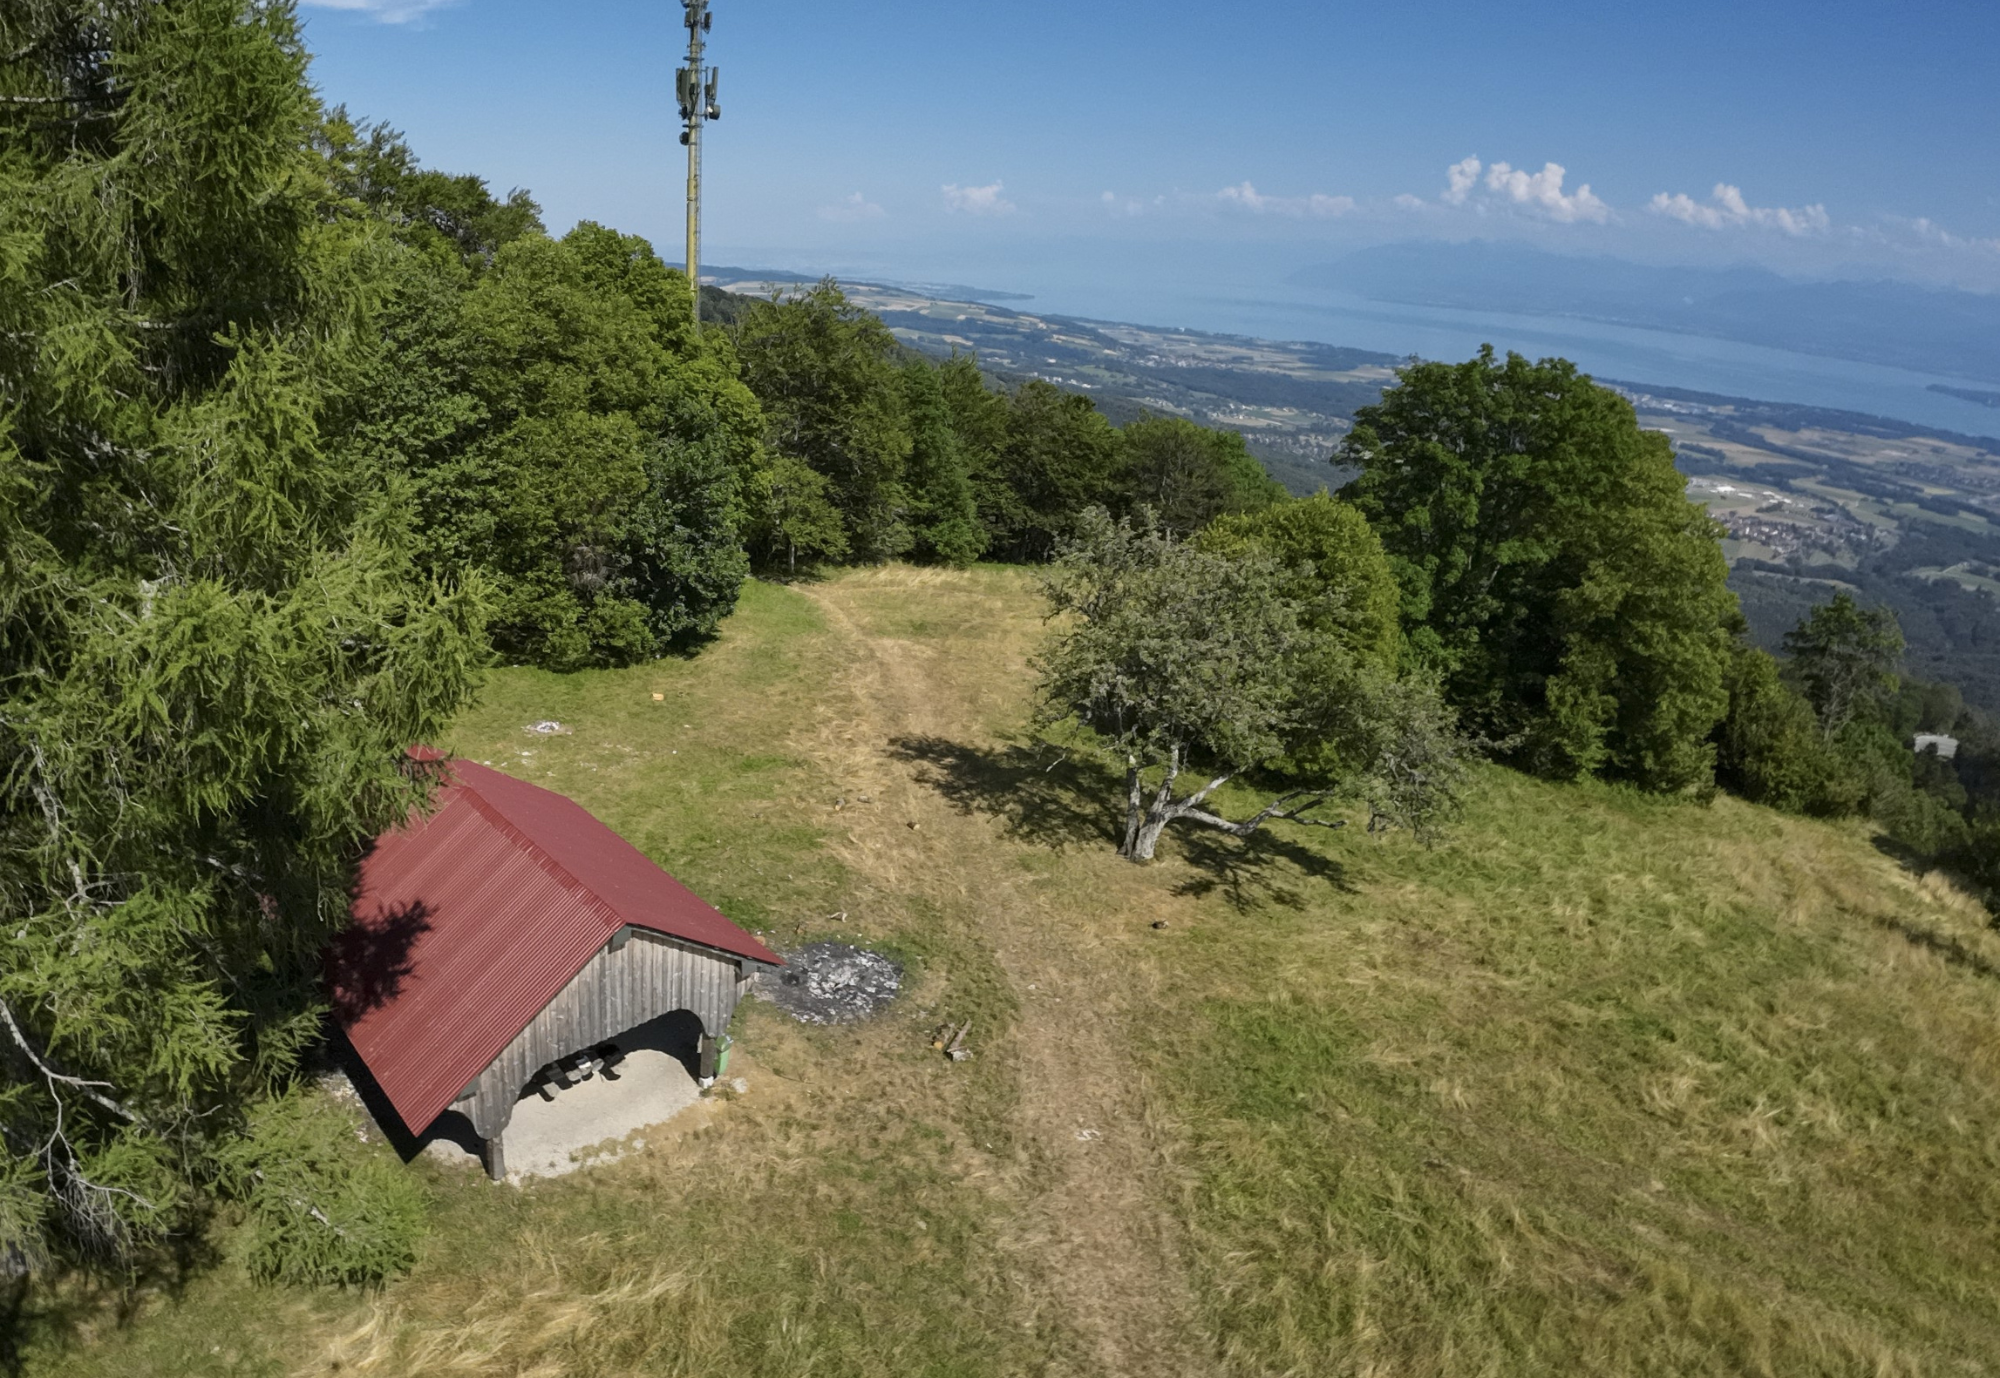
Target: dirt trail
[(1100, 1250)]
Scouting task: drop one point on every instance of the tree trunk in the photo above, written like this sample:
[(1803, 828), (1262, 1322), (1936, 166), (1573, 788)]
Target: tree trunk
[(1145, 822), (1142, 836), (1147, 837), (1135, 809)]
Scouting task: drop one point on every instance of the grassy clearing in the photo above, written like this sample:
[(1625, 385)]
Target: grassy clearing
[(827, 1223), (1611, 1085), (1606, 1085)]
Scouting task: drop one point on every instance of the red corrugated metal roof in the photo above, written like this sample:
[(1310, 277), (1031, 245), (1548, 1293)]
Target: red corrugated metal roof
[(468, 922)]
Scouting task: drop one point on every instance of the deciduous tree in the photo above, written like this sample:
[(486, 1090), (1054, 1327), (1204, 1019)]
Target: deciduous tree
[(824, 370), (1057, 456), (1181, 659), (1552, 567), (1189, 475), (564, 430), (1336, 569)]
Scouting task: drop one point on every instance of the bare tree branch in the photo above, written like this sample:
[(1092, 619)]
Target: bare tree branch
[(58, 100), (58, 1078), (1274, 810)]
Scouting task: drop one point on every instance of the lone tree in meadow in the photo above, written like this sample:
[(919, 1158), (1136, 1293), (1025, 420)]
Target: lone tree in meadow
[(1233, 663)]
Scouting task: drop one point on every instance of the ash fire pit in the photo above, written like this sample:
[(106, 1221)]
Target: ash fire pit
[(831, 983)]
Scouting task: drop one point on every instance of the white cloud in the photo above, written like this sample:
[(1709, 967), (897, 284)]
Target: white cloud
[(388, 11), (1929, 234), (852, 208), (1726, 209), (1462, 176), (1321, 207), (1123, 205), (1539, 192), (984, 200), (1543, 191), (1407, 202)]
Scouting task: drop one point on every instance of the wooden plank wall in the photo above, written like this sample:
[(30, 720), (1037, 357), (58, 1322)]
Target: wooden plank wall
[(617, 990)]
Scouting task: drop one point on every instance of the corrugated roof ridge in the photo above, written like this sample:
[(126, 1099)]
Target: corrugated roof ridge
[(542, 856), (493, 813)]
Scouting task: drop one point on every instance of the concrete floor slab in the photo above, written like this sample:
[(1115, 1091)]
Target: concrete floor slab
[(595, 1120)]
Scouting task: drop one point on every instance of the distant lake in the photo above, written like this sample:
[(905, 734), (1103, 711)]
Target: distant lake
[(1609, 351), (1247, 293)]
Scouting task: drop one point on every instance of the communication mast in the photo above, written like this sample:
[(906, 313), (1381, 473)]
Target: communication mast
[(695, 86)]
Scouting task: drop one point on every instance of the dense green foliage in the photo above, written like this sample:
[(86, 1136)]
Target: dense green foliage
[(1552, 567), (373, 167), (1226, 660), (558, 422), (1771, 749), (886, 454), (1054, 456), (1338, 572), (1189, 475), (825, 372), (324, 1206), (944, 518), (215, 636)]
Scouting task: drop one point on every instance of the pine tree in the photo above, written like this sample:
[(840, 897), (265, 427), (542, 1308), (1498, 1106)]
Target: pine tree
[(944, 519), (213, 645), (1845, 658)]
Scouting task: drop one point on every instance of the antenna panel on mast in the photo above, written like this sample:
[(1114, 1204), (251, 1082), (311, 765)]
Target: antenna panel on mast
[(696, 87)]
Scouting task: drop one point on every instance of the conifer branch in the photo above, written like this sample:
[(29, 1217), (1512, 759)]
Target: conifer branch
[(55, 1077)]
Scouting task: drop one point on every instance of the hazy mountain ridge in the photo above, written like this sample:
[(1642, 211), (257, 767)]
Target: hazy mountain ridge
[(1932, 330)]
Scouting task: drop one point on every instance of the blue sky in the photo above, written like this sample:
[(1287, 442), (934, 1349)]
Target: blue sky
[(969, 143)]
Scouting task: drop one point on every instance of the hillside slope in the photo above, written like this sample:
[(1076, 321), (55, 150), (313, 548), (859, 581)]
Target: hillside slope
[(1605, 1084)]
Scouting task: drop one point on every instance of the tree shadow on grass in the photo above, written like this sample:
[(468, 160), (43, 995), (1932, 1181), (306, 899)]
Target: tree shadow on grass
[(50, 1307), (1944, 944), (1905, 856), (1917, 863), (1043, 795), (1052, 800), (1263, 868)]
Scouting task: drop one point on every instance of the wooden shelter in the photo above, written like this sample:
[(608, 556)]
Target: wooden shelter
[(508, 930)]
